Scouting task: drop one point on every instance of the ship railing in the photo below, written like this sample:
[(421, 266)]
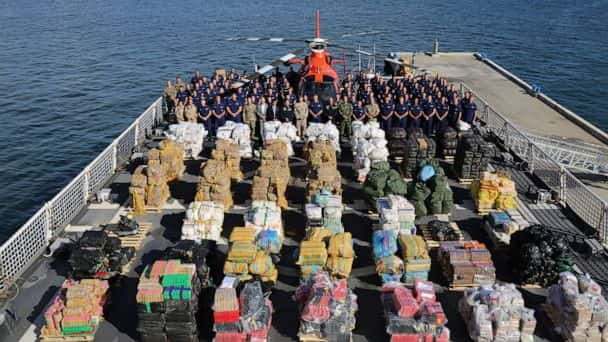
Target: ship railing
[(573, 193), (32, 238)]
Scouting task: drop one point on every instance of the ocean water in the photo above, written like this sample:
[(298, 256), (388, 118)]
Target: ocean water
[(75, 73)]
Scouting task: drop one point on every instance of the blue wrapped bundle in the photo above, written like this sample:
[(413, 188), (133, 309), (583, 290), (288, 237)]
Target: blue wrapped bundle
[(426, 173), (410, 276), (384, 243), (269, 240)]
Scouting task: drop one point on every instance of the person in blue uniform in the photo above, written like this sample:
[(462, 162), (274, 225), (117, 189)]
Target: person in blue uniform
[(315, 110), (219, 114), (196, 77), (415, 114), (454, 110), (359, 111), (182, 94), (401, 112), (428, 115), (286, 114), (469, 110), (387, 112), (204, 114), (441, 119), (234, 108)]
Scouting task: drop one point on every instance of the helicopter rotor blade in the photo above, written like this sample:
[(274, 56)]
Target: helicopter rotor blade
[(271, 66), (264, 39), (358, 34), (377, 55)]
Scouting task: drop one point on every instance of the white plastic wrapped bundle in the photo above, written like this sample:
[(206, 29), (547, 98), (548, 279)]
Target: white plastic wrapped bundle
[(190, 135), (203, 221), (396, 213), (238, 133), (264, 215), (283, 131), (324, 132), (368, 145)]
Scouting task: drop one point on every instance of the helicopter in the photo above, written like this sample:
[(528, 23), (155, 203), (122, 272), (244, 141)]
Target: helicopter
[(317, 75)]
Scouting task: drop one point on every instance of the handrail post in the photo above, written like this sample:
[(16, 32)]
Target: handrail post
[(114, 155), (531, 155), (86, 182), (562, 184), (136, 138), (600, 226), (48, 221)]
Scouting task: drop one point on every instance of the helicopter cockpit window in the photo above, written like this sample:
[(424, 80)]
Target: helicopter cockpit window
[(318, 47), (324, 90)]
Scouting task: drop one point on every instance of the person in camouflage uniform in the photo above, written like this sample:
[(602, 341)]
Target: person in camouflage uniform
[(345, 109), (301, 112), (169, 95), (249, 115)]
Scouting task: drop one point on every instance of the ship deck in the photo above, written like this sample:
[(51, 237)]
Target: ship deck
[(42, 280), (512, 98)]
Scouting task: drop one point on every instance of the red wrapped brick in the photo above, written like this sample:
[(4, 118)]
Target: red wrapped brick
[(405, 303), (424, 291), (230, 337), (432, 313), (405, 338), (226, 316)]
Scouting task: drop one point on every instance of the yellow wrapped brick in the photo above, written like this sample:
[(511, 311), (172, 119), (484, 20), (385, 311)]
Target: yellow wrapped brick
[(271, 276), (262, 264), (312, 253), (339, 267), (236, 268), (243, 234), (341, 245), (242, 252), (319, 234)]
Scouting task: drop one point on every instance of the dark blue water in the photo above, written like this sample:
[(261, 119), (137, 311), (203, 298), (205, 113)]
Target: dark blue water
[(74, 73)]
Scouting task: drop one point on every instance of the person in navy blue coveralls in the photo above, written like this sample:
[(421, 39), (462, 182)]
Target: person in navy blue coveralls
[(415, 114), (441, 119), (219, 114), (315, 110), (455, 110), (359, 111), (428, 114), (401, 112), (234, 108), (204, 113), (469, 110), (387, 112)]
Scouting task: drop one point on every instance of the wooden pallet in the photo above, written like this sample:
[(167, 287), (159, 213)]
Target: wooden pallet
[(448, 159), (428, 235), (484, 212), (134, 241), (460, 288), (148, 209), (63, 338), (531, 286)]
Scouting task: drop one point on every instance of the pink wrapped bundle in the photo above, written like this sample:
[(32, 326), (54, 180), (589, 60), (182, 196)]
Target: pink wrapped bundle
[(230, 337), (339, 289), (173, 267), (317, 309), (259, 335), (53, 315), (432, 313), (424, 291), (405, 303), (405, 338)]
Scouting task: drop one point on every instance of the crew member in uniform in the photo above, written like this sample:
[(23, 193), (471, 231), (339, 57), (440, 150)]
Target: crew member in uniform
[(454, 109), (315, 110), (301, 112), (331, 110), (219, 114), (415, 114), (428, 115), (469, 110), (261, 111), (249, 115), (401, 112), (179, 111), (345, 109), (169, 95), (388, 109), (234, 109), (204, 113), (441, 119), (190, 111), (359, 111)]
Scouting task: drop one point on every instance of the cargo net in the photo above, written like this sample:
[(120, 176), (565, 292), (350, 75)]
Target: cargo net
[(77, 310), (149, 183), (322, 169), (272, 177), (328, 309), (413, 315), (167, 301), (246, 317)]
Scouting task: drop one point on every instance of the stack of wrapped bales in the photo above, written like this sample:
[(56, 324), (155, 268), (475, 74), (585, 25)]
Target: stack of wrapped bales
[(189, 135), (328, 309), (538, 255), (226, 316), (466, 263), (245, 259), (172, 159), (341, 255), (283, 131), (578, 309), (255, 312), (447, 142), (368, 146), (312, 258), (203, 221), (497, 313), (494, 191), (239, 134), (324, 132), (98, 255), (76, 311), (500, 225), (227, 152), (396, 142), (430, 192), (264, 217), (325, 211), (397, 214), (214, 184), (417, 147), (382, 181), (388, 266), (322, 169), (413, 316), (167, 301), (416, 260), (443, 231), (272, 177), (473, 156)]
